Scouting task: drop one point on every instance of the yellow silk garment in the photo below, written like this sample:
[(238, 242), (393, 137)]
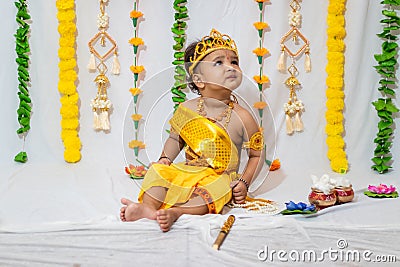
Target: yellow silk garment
[(217, 159)]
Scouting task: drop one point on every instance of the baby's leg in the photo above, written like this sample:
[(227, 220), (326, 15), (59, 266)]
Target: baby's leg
[(195, 206), (152, 200)]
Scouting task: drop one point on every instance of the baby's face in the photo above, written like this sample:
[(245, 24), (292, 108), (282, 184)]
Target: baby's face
[(221, 68)]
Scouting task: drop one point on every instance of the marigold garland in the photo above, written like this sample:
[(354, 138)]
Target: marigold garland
[(22, 49), (67, 76), (335, 82), (387, 65), (261, 79), (136, 69)]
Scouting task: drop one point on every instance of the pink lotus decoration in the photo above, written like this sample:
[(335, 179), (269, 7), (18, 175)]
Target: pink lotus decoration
[(382, 189)]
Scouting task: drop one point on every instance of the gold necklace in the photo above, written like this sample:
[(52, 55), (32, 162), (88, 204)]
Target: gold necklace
[(226, 113)]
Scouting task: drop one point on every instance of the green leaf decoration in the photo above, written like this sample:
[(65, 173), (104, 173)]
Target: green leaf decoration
[(291, 212), (375, 195), (387, 68), (21, 157), (22, 49)]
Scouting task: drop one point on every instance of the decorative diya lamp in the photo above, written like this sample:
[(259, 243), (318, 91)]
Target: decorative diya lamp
[(322, 199), (344, 194)]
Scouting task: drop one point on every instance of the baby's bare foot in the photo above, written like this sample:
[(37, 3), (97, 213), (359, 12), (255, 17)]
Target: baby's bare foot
[(166, 218), (135, 211)]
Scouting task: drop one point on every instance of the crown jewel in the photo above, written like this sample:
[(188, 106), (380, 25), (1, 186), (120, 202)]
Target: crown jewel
[(210, 43)]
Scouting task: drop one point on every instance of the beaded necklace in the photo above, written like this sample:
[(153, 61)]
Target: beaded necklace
[(226, 113)]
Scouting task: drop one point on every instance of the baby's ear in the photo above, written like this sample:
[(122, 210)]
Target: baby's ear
[(198, 81)]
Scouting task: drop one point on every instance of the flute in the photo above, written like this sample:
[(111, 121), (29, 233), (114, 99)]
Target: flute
[(224, 232)]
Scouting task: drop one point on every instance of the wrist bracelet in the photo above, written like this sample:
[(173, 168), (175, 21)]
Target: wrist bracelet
[(165, 157), (245, 182)]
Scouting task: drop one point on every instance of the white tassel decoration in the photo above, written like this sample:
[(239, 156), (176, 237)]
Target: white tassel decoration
[(289, 125), (307, 63), (281, 62), (298, 124), (92, 63), (116, 66), (104, 121), (96, 123)]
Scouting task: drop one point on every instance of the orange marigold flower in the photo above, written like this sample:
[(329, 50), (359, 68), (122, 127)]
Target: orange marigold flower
[(260, 105), (136, 117), (260, 51), (136, 143), (137, 69), (275, 165), (260, 25), (136, 41), (262, 1), (261, 79), (135, 91), (135, 14)]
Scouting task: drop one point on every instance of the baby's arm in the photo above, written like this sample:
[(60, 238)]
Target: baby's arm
[(172, 147), (255, 161)]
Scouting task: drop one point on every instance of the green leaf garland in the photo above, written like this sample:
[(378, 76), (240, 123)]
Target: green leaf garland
[(178, 29), (386, 67), (22, 49)]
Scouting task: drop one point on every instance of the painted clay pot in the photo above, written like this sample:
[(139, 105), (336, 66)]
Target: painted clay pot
[(344, 194), (321, 200)]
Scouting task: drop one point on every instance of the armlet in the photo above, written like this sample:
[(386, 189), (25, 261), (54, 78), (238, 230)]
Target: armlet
[(256, 142)]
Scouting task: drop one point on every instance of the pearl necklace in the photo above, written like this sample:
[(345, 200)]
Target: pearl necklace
[(226, 113), (257, 206)]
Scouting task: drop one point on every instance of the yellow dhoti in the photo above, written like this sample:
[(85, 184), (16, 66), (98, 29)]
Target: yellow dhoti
[(214, 154)]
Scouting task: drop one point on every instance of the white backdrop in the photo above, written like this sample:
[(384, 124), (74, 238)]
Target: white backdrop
[(90, 189)]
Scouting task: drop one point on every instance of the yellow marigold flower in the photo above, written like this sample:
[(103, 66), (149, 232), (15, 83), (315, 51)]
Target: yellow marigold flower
[(65, 4), (135, 91), (72, 142), (72, 155), (335, 104), (334, 117), (261, 79), (136, 41), (260, 25), (137, 69), (335, 81), (260, 105), (339, 165), (136, 117), (333, 93), (135, 14), (260, 51), (334, 129), (336, 153), (136, 143), (335, 141)]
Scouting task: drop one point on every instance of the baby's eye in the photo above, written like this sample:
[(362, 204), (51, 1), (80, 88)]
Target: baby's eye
[(217, 63), (235, 62)]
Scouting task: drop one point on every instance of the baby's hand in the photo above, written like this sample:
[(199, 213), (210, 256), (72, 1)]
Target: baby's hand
[(239, 191)]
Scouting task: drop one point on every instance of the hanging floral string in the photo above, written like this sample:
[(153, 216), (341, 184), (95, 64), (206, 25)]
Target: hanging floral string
[(22, 49), (387, 62), (178, 29), (67, 77), (334, 82), (262, 80), (136, 69)]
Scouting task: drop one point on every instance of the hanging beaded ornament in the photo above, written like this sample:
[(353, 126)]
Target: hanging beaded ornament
[(101, 104), (294, 107)]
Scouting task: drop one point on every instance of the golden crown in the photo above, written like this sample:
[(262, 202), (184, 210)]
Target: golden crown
[(210, 43)]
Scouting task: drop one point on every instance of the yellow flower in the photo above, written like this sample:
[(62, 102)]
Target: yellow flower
[(69, 75), (66, 52), (66, 15), (137, 69), (67, 41), (260, 25), (68, 64), (136, 41), (65, 4), (69, 123), (72, 155), (336, 7), (67, 28), (334, 81), (334, 117), (339, 164), (136, 117), (66, 87), (333, 93), (334, 129), (135, 91), (69, 111), (260, 51), (261, 80), (335, 58), (71, 99), (72, 142), (336, 153), (335, 104), (136, 143), (260, 105), (335, 141), (135, 14)]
